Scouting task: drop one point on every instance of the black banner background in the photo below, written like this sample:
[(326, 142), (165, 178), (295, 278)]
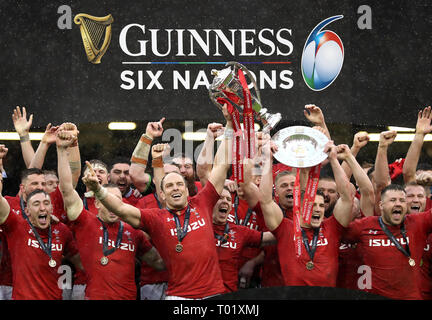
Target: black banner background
[(384, 79)]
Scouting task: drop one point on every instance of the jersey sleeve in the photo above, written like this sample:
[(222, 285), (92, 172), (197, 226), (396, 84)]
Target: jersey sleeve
[(143, 245), (71, 247), (58, 205), (149, 219), (352, 233), (10, 223), (206, 198), (80, 221), (253, 238)]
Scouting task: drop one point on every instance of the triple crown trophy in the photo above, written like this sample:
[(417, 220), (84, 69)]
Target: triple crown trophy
[(231, 88), (228, 85)]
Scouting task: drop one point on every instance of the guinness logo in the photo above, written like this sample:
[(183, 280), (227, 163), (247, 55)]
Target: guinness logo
[(95, 34)]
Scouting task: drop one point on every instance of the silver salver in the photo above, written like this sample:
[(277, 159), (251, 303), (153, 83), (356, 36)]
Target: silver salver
[(226, 81), (300, 147)]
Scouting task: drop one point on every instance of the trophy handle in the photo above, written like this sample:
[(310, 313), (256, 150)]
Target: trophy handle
[(213, 99), (240, 66)]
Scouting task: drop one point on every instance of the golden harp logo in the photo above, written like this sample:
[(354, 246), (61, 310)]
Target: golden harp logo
[(95, 34)]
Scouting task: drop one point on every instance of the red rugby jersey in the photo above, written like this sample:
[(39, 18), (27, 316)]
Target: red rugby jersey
[(391, 274), (194, 272), (116, 280), (325, 261), (250, 220), (33, 278), (230, 252), (149, 275), (425, 279)]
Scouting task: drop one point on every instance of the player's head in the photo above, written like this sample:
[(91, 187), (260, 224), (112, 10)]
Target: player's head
[(169, 167), (327, 185), (284, 188), (119, 175), (103, 213), (31, 179), (39, 208), (51, 180), (185, 165), (393, 204), (222, 207), (318, 210), (174, 191), (101, 170), (416, 197)]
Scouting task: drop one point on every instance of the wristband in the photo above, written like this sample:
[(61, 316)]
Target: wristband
[(229, 133), (101, 193), (157, 162), (25, 138), (142, 150)]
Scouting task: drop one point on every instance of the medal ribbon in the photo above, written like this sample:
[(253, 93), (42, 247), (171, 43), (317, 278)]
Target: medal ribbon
[(406, 250), (248, 213), (248, 119), (45, 247), (237, 146), (22, 205), (223, 238), (105, 249), (296, 215), (310, 249), (311, 190), (181, 233)]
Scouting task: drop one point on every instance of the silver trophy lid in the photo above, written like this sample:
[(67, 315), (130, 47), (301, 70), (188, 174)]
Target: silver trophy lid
[(300, 147)]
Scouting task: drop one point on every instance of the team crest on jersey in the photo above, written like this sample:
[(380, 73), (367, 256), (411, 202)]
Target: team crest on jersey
[(17, 212), (193, 210), (128, 235), (232, 235)]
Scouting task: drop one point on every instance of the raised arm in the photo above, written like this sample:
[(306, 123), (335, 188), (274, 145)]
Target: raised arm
[(4, 205), (343, 208), (423, 127), (3, 153), (360, 140), (223, 156), (140, 179), (71, 199), (205, 157), (367, 200), (158, 152), (272, 213), (48, 138), (124, 211), (315, 115), (22, 127)]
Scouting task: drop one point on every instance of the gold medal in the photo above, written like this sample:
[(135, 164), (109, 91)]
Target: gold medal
[(309, 265), (52, 263), (179, 247), (104, 261), (411, 262)]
